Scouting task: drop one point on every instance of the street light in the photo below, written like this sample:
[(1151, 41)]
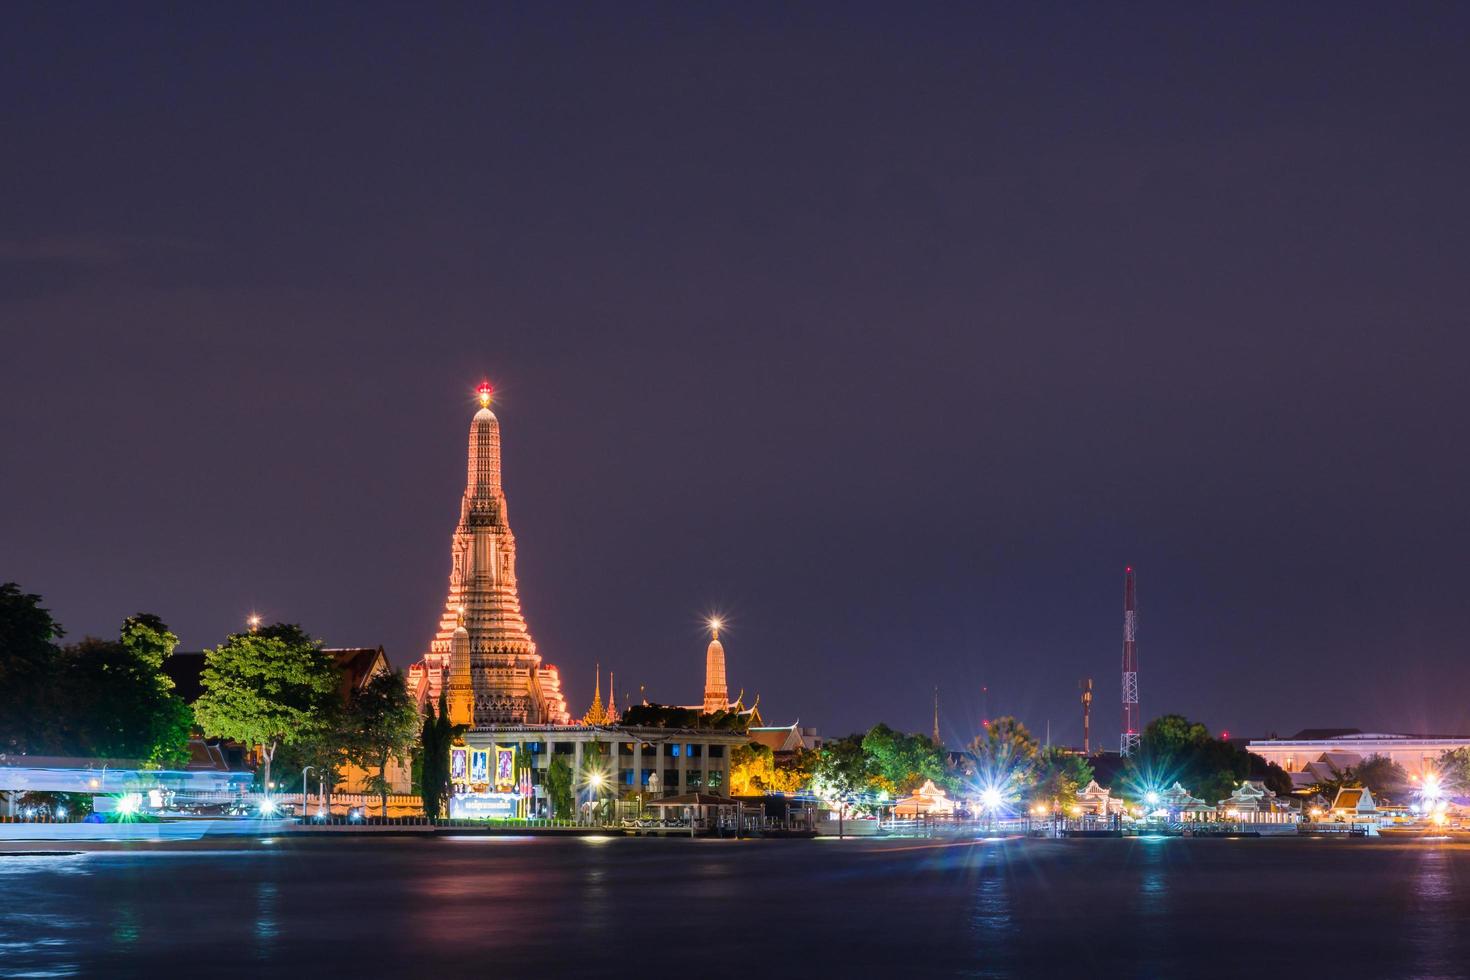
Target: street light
[(304, 771)]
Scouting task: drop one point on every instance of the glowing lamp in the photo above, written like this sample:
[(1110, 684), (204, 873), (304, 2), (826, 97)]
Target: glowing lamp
[(1151, 798), (267, 807), (991, 797), (484, 392)]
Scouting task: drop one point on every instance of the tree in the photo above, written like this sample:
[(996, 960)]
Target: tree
[(559, 787), (752, 769), (266, 687), (432, 758), (1381, 775), (1057, 776), (901, 763), (794, 772), (1454, 770), (843, 770), (30, 664), (1004, 752), (1173, 748), (381, 722)]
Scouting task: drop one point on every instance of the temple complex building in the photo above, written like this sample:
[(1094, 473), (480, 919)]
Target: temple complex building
[(716, 691), (483, 656)]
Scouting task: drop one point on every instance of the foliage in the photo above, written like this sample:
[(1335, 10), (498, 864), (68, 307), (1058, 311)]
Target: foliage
[(752, 769), (793, 773), (1057, 775), (901, 763), (95, 698), (664, 716), (436, 735), (559, 787), (381, 722), (1381, 775), (1173, 748), (1004, 752), (1454, 770), (270, 686), (843, 771), (29, 667)]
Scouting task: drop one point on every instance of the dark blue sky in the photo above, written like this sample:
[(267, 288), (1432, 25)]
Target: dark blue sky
[(893, 332)]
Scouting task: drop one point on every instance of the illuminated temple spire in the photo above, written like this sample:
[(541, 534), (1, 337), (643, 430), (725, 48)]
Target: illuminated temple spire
[(597, 714), (508, 683), (716, 693), (461, 696)]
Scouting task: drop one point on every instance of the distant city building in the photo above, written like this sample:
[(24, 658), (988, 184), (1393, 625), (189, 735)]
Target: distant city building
[(1315, 755), (495, 675)]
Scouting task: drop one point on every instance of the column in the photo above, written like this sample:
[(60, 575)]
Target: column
[(576, 779), (683, 759), (638, 768)]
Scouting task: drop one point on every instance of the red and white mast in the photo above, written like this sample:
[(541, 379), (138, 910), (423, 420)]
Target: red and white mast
[(1132, 723)]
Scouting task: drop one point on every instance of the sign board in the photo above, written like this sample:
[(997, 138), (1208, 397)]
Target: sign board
[(483, 806)]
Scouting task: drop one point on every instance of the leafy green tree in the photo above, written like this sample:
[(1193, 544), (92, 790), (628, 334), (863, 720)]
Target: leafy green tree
[(30, 665), (559, 787), (793, 773), (752, 768), (1173, 748), (1383, 777), (267, 687), (436, 737), (120, 707), (1454, 770), (1057, 775), (843, 771), (382, 720), (901, 763), (1004, 752)]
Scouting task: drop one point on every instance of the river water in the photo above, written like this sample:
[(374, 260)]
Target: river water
[(488, 906)]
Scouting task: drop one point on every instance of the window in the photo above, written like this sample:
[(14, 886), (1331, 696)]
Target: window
[(716, 779), (716, 751), (626, 775), (671, 749), (693, 778), (625, 748), (562, 748), (671, 782), (695, 750), (646, 775)]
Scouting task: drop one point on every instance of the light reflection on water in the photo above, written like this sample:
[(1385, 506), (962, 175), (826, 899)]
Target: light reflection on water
[(1432, 923), (266, 927)]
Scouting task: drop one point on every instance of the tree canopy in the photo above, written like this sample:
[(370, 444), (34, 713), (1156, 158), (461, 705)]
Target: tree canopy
[(266, 687), (1174, 748), (382, 723), (98, 698)]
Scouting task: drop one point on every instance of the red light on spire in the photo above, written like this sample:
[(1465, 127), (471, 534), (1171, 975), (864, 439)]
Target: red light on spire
[(484, 391)]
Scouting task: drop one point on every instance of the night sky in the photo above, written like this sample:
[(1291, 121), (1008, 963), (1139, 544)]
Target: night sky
[(892, 335)]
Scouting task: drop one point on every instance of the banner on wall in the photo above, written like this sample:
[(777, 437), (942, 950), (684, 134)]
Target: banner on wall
[(479, 766), (459, 761), (505, 769)]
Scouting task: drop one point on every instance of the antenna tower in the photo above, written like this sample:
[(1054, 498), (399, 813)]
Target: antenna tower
[(1086, 685), (1128, 741)]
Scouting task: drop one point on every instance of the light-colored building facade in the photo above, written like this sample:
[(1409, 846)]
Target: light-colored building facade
[(652, 762), (1311, 760)]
